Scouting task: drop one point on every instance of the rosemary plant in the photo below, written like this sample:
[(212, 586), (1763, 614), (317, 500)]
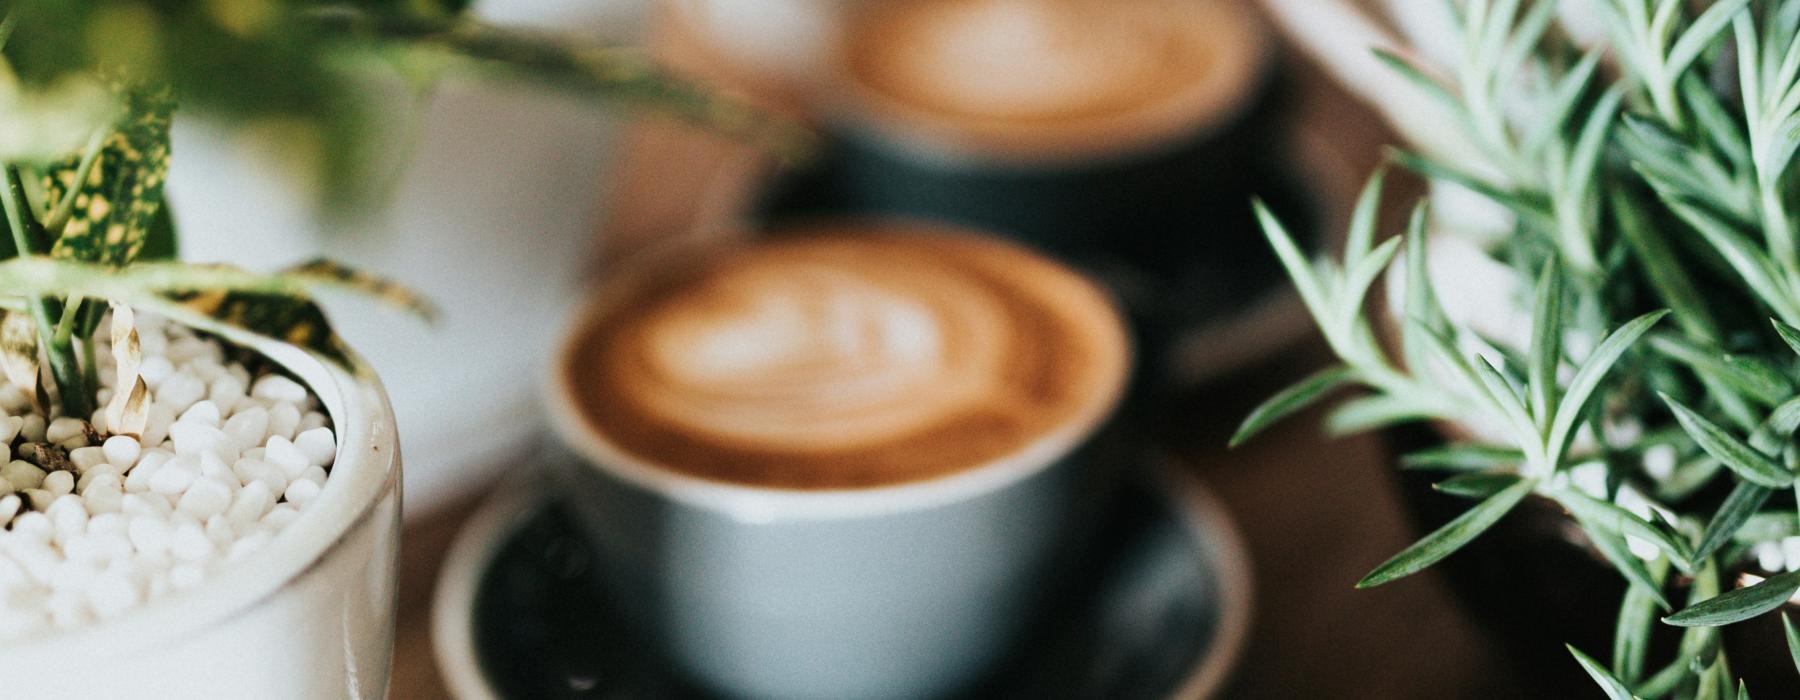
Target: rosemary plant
[(1656, 395)]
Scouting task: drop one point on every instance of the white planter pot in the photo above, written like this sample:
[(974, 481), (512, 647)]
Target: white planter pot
[(309, 616), (493, 217)]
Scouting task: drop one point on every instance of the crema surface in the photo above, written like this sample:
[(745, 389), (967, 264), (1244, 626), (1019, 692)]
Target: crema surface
[(846, 359)]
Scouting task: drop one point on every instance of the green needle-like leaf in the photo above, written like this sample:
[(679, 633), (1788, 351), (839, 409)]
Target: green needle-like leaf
[(1735, 455), (1748, 377), (1702, 33), (1291, 400), (1637, 619), (1614, 689), (1739, 605), (1546, 344), (1476, 485), (1733, 513), (1623, 522), (1788, 333), (1458, 457), (1587, 380), (1299, 270), (1793, 639), (1452, 536)]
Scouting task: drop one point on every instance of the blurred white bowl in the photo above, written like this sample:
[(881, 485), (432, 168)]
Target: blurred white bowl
[(493, 215)]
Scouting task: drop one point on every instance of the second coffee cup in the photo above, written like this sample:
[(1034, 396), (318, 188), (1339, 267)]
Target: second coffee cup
[(847, 461)]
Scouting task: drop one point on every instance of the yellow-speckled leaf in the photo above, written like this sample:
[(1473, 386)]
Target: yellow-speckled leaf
[(115, 206), (19, 351)]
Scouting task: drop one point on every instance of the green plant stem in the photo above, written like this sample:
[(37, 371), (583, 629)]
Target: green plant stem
[(73, 393)]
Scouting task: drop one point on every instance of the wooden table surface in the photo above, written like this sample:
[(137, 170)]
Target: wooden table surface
[(1317, 513)]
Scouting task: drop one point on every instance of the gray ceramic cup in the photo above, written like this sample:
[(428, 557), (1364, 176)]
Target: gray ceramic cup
[(908, 591)]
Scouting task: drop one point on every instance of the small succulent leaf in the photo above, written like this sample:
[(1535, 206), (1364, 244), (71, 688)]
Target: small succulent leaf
[(1612, 518), (1747, 376), (1370, 412), (1546, 344), (1614, 549), (1717, 122), (1745, 500), (19, 351), (1418, 78), (1460, 458), (113, 210), (1793, 639), (1739, 605), (1357, 280), (129, 410), (1754, 267), (1291, 400), (1743, 691), (1660, 267), (1299, 269), (1476, 486), (1533, 209), (1637, 620), (1362, 219), (1701, 34), (1569, 91), (1732, 452), (1420, 299), (1508, 400), (1788, 333), (1452, 536), (1587, 380), (1615, 690)]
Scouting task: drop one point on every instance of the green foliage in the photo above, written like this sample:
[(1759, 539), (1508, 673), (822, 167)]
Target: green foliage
[(1650, 171)]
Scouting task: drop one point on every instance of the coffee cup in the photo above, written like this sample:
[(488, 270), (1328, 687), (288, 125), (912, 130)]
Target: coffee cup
[(846, 461), (1125, 137)]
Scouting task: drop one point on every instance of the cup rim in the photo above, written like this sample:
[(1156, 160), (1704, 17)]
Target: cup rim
[(763, 504), (367, 469), (848, 102)]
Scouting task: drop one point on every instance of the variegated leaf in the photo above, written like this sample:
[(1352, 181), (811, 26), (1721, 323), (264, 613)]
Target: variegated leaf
[(113, 205)]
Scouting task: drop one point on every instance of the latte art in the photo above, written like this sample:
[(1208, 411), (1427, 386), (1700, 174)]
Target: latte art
[(815, 357), (848, 360), (1036, 74)]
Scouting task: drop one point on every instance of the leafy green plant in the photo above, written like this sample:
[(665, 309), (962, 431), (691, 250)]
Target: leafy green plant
[(87, 95), (1655, 396)]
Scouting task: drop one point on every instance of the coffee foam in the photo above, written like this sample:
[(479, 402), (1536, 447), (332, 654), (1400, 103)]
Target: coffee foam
[(846, 359), (1031, 74)]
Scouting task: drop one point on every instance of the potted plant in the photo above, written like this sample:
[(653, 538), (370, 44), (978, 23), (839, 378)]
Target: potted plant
[(200, 495), (1618, 385)]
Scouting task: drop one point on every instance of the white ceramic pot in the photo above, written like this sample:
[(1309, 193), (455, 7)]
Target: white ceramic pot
[(311, 615), (493, 216)]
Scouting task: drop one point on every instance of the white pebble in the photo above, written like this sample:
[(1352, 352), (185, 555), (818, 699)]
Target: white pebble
[(302, 492), (218, 529), (284, 454), (319, 446), (60, 482), (174, 477), (103, 469), (257, 471), (248, 545), (145, 504), (107, 524), (33, 526), (284, 419), (248, 427), (204, 412), (191, 439), (156, 424), (312, 420), (150, 534), (189, 542), (121, 451), (86, 458), (9, 428), (279, 516), (22, 474), (9, 507), (38, 499), (69, 516), (275, 387), (33, 428), (249, 505), (64, 429), (155, 368), (226, 392), (180, 391), (207, 497), (67, 609)]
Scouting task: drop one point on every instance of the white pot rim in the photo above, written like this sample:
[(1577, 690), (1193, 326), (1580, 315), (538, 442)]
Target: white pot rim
[(367, 468)]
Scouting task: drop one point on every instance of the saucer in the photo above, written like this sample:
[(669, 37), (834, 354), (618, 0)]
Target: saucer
[(1164, 614)]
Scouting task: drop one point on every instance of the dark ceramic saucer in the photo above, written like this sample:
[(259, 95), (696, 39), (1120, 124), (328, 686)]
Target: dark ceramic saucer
[(1163, 615)]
